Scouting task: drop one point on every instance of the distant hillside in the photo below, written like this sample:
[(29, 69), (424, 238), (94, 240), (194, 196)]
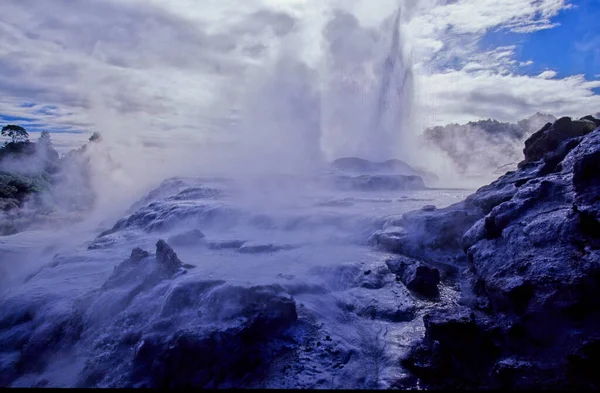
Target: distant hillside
[(484, 146)]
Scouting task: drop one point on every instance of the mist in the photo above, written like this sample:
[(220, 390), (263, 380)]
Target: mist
[(212, 227), (286, 111)]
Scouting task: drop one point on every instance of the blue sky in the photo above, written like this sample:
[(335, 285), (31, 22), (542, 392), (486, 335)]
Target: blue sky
[(572, 47), (182, 66)]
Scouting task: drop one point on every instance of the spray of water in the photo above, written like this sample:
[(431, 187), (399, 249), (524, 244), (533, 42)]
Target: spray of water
[(369, 82)]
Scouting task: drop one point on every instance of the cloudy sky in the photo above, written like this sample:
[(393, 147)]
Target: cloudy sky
[(187, 69)]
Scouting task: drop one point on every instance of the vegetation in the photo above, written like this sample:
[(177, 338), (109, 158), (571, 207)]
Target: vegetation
[(35, 181), (16, 133)]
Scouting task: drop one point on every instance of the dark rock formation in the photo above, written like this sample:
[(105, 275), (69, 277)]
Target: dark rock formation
[(417, 276), (592, 119), (219, 357), (145, 328), (389, 303), (548, 138), (531, 280), (137, 254), (166, 257)]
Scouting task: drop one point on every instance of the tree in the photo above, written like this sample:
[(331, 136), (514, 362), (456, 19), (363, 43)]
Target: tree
[(16, 133), (95, 137), (44, 139)]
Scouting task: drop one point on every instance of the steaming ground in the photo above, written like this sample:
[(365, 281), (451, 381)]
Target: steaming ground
[(68, 319)]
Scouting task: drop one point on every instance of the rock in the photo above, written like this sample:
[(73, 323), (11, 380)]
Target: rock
[(533, 267), (230, 356), (390, 239), (551, 136), (592, 119), (195, 193), (391, 303), (379, 182), (457, 352), (59, 331), (376, 279), (137, 254), (187, 238), (585, 173), (416, 276), (553, 159), (166, 257), (436, 236)]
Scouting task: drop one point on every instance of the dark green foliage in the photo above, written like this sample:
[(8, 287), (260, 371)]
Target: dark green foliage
[(17, 149), (16, 133), (15, 189), (35, 182)]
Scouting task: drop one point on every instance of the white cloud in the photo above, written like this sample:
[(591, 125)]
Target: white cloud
[(179, 69), (548, 74)]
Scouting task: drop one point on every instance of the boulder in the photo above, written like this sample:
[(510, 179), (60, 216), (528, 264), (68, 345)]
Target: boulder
[(391, 303), (457, 352), (166, 257), (211, 356), (417, 276), (552, 135)]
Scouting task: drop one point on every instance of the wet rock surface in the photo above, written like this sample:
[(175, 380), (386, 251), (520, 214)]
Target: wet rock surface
[(205, 333), (417, 276), (529, 252), (226, 357), (523, 251)]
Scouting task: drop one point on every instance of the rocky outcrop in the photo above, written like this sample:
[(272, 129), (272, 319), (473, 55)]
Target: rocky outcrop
[(529, 252), (417, 276), (548, 138), (218, 357), (148, 327)]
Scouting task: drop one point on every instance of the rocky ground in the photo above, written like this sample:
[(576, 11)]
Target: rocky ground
[(497, 291), (525, 251)]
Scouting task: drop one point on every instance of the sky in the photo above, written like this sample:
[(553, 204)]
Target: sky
[(160, 70)]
